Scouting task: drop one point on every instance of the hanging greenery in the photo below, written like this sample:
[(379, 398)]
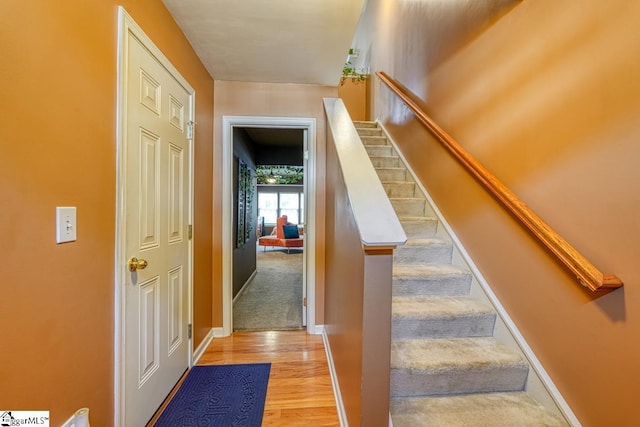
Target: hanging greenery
[(245, 198), (278, 175), (349, 71)]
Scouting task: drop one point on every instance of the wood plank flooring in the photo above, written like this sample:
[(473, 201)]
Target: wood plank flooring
[(299, 392)]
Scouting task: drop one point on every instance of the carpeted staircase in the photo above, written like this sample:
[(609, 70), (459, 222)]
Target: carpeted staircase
[(447, 369)]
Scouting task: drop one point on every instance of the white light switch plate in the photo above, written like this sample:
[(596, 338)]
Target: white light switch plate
[(65, 224)]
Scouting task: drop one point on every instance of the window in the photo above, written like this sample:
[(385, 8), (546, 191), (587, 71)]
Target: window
[(271, 205), (268, 207), (289, 206)]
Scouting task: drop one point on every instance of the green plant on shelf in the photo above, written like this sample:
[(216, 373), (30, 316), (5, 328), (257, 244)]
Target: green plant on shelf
[(350, 72)]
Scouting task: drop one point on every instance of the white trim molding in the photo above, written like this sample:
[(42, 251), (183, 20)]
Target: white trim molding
[(374, 214), (244, 287), (218, 332), (197, 354), (342, 413), (318, 330), (228, 124)]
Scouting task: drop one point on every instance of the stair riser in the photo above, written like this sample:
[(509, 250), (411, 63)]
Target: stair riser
[(409, 207), (379, 150), (479, 325), (417, 229), (387, 175), (397, 189), (369, 132), (453, 285), (429, 254), (458, 381), (375, 141), (364, 125), (385, 162)]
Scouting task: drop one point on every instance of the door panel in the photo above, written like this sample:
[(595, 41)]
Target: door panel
[(149, 213), (175, 308), (157, 204), (176, 194), (149, 300)]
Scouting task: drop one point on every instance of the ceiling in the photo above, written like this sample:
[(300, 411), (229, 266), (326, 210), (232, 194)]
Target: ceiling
[(276, 137), (277, 41)]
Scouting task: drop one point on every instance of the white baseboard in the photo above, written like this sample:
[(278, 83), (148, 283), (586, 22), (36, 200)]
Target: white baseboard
[(539, 383), (219, 332), (342, 414), (244, 287), (197, 354), (317, 330)]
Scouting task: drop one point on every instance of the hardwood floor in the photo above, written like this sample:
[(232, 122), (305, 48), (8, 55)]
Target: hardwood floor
[(299, 392)]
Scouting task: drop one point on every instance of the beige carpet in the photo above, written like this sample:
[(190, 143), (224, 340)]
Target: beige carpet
[(273, 299), (447, 368)]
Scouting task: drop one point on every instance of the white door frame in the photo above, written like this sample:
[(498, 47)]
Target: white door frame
[(228, 123), (126, 26)]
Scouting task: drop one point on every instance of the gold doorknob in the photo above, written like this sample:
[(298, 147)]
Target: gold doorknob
[(135, 263)]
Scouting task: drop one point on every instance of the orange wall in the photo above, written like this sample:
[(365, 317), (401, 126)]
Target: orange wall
[(546, 94), (344, 291), (277, 100), (355, 96), (358, 305), (58, 139)]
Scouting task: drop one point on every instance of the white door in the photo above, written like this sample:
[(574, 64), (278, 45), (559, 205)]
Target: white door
[(157, 201)]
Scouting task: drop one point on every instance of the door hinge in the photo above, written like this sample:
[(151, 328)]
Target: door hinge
[(189, 331), (304, 301), (190, 127), (190, 232)]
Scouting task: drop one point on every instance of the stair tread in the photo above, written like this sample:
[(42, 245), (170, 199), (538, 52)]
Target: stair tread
[(427, 270), (452, 354), (424, 241), (417, 218), (438, 306), (513, 409), (385, 157), (397, 183)]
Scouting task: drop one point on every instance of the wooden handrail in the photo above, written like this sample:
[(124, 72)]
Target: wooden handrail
[(588, 275)]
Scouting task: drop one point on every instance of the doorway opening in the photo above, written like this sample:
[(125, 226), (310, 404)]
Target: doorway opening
[(268, 179), (286, 143)]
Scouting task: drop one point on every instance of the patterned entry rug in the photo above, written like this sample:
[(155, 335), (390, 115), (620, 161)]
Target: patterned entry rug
[(272, 301), (219, 395)]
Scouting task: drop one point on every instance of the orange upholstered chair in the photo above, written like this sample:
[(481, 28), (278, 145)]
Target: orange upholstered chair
[(282, 238)]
